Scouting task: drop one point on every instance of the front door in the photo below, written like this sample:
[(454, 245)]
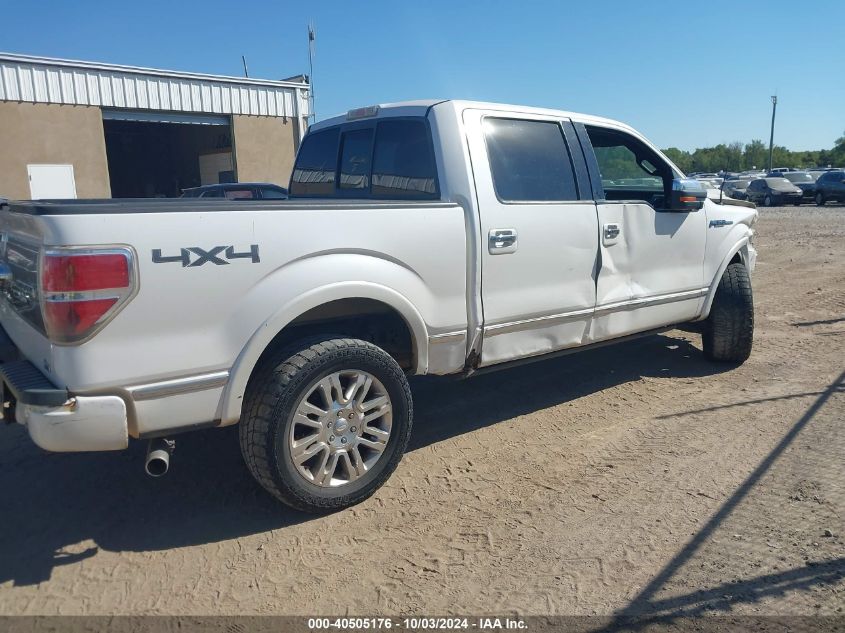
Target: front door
[(651, 259), (539, 235)]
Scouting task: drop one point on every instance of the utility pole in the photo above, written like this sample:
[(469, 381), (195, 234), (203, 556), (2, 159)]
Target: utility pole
[(312, 37), (772, 135), (246, 71)]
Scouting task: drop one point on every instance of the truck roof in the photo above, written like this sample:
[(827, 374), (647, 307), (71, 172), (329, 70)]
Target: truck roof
[(421, 107)]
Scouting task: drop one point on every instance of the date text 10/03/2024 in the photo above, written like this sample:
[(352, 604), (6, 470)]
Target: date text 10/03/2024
[(417, 623)]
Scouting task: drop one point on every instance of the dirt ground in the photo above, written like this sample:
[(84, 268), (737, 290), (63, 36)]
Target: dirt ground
[(632, 479)]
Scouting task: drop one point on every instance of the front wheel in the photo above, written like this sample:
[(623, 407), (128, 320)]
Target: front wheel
[(820, 199), (729, 330), (767, 201), (325, 424)]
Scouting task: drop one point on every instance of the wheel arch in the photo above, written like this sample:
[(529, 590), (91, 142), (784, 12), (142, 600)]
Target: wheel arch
[(738, 253), (322, 302)]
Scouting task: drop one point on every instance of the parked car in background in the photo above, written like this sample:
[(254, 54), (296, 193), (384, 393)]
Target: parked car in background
[(819, 171), (805, 181), (782, 170), (701, 174), (736, 188), (773, 192), (830, 187), (239, 191)]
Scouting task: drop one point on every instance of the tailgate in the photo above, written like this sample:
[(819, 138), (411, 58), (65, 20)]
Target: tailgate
[(21, 242)]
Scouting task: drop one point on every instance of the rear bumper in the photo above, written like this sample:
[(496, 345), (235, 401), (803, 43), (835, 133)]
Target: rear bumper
[(57, 420)]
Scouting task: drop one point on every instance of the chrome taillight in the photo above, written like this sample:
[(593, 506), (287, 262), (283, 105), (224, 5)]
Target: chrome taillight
[(82, 289)]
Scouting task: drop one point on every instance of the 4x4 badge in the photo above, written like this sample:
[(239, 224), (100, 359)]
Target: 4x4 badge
[(212, 255)]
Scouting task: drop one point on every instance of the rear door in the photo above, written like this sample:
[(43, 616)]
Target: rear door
[(539, 234), (651, 259)]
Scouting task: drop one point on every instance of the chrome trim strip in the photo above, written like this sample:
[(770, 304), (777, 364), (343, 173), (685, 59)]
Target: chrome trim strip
[(642, 302), (526, 324), (503, 328), (447, 337), (188, 384)]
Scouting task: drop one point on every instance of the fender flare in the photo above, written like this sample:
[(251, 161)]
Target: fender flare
[(241, 371), (740, 247)]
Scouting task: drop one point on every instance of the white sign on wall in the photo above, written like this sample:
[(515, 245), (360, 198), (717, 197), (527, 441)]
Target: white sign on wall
[(51, 182)]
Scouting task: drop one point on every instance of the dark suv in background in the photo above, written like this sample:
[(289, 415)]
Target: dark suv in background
[(830, 186), (805, 181), (773, 192)]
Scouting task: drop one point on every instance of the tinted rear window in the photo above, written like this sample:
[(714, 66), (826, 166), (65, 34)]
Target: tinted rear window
[(316, 164), (529, 161), (355, 155), (403, 162), (399, 164)]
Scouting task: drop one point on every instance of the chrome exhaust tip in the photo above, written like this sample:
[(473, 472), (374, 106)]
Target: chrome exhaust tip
[(158, 456)]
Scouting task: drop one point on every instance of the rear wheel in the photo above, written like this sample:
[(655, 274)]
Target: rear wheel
[(729, 330), (325, 424)]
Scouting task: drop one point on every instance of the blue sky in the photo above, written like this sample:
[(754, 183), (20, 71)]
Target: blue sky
[(686, 74)]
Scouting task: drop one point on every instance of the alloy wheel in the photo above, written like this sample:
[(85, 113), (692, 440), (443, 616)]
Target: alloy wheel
[(340, 428)]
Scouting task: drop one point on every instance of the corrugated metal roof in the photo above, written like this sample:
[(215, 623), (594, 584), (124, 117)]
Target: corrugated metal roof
[(61, 81)]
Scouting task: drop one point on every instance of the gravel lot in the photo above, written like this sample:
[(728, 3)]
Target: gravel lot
[(632, 479)]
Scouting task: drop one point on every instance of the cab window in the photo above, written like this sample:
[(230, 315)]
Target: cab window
[(403, 160), (529, 161), (390, 158), (355, 156), (630, 170), (316, 165)]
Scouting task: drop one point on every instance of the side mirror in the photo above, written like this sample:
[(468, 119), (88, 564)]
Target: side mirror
[(687, 195)]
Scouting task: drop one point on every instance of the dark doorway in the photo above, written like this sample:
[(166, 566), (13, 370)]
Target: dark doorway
[(155, 159)]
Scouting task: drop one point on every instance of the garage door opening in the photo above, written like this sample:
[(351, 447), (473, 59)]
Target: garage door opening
[(157, 156)]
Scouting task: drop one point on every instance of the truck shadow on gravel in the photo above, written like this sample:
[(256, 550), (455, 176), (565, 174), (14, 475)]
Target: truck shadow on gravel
[(796, 486), (59, 509)]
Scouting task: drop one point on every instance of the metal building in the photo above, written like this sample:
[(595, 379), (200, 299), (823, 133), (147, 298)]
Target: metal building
[(90, 130)]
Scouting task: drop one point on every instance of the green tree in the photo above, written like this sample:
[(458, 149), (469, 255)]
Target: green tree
[(681, 158), (837, 157), (756, 155)]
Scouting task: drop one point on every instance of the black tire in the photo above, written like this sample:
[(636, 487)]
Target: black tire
[(820, 199), (270, 402), (767, 201), (728, 332)]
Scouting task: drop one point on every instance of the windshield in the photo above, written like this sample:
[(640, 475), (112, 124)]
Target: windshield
[(779, 183), (739, 184), (799, 176)]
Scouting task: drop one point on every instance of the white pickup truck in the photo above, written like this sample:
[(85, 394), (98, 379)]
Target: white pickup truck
[(440, 237)]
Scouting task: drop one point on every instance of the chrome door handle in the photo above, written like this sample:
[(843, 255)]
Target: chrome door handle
[(501, 241), (610, 232)]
